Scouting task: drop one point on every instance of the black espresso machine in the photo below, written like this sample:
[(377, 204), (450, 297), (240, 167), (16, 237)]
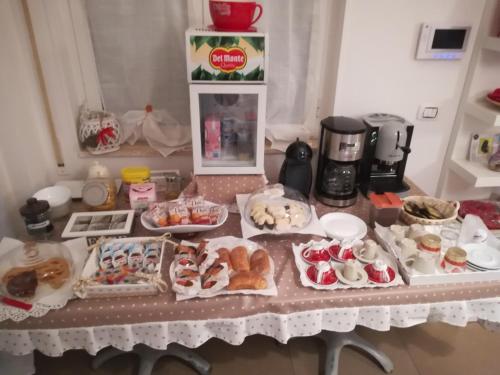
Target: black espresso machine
[(386, 150)]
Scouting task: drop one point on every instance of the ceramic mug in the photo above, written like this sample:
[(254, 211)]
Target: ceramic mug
[(234, 15), (378, 271), (351, 270), (421, 262), (316, 252)]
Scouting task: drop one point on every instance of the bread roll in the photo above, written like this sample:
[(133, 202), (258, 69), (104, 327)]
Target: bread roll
[(247, 280), (239, 259), (259, 262)]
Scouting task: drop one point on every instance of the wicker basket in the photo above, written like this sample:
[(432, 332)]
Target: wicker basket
[(448, 208)]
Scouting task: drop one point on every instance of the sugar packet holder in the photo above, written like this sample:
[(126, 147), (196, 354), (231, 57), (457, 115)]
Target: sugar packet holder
[(302, 267)]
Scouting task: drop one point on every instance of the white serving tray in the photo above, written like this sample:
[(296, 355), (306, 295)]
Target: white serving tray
[(230, 242), (70, 232), (189, 228), (302, 266), (413, 277), (119, 290)]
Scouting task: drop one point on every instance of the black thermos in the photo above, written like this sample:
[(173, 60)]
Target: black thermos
[(296, 171)]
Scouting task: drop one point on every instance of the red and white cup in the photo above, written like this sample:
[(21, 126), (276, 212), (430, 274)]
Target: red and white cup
[(380, 272), (321, 273), (315, 253), (234, 15)]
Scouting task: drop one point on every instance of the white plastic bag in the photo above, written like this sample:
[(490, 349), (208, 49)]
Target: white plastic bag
[(158, 128)]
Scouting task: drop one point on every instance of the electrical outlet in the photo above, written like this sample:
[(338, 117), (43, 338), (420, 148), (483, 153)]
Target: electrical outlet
[(61, 170)]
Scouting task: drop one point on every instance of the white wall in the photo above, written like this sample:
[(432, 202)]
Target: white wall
[(24, 145), (378, 73)]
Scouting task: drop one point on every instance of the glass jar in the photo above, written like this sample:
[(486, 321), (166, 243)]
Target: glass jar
[(99, 191), (36, 218)]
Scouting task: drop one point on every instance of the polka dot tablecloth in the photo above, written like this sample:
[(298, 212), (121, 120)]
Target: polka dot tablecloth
[(297, 311)]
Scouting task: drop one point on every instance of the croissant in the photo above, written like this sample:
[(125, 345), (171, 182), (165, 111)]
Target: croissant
[(247, 280), (239, 259), (259, 262)]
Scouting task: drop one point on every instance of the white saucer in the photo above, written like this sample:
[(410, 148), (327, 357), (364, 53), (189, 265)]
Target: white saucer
[(363, 280), (483, 256), (342, 226), (359, 257)]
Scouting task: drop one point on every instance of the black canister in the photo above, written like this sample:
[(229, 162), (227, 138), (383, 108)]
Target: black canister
[(36, 217)]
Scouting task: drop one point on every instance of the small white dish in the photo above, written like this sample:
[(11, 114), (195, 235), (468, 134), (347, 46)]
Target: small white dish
[(482, 255), (362, 277), (357, 254), (59, 199), (343, 226)]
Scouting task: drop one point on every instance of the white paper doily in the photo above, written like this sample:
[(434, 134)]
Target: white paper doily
[(78, 250)]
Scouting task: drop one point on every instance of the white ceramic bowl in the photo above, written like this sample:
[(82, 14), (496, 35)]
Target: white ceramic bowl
[(59, 198), (343, 226)]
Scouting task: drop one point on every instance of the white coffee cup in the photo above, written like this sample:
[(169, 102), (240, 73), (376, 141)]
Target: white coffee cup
[(351, 270), (408, 247), (421, 262), (416, 231), (398, 231), (370, 250)]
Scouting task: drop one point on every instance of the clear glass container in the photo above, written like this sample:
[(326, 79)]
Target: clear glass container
[(277, 209), (35, 270)]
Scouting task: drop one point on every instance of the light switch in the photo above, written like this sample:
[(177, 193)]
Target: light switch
[(427, 112)]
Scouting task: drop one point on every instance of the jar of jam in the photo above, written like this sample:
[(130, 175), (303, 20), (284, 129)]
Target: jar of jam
[(430, 243), (36, 218)]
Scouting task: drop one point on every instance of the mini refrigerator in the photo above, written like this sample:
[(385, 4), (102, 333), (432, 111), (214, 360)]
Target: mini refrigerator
[(227, 73)]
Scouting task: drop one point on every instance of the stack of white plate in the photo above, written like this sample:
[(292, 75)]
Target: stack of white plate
[(481, 257)]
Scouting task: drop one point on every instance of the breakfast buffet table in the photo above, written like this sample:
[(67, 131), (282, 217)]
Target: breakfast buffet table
[(157, 321)]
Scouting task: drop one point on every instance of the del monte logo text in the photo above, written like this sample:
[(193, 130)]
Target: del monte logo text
[(228, 60)]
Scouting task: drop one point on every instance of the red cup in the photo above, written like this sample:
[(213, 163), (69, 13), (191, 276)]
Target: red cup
[(234, 16)]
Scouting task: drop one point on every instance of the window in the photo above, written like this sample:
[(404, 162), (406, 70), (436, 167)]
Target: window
[(124, 54)]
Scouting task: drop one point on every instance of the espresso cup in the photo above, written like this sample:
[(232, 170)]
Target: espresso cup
[(369, 251), (421, 262), (398, 231), (350, 270), (322, 268), (408, 247), (416, 231), (234, 15)]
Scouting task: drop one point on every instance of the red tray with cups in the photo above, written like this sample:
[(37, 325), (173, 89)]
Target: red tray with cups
[(350, 264)]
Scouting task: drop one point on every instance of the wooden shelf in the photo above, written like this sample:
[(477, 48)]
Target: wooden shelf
[(492, 43), (484, 111), (477, 174)]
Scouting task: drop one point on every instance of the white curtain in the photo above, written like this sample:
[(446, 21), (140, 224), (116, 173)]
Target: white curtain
[(140, 56)]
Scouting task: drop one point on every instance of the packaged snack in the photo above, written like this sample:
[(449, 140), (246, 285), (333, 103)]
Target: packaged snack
[(158, 214), (135, 258), (200, 215), (178, 215), (191, 202), (215, 214)]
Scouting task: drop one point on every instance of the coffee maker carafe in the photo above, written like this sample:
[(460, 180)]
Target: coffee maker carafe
[(385, 154), (341, 147)]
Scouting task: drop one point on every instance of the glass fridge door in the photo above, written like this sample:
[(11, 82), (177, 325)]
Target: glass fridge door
[(228, 129)]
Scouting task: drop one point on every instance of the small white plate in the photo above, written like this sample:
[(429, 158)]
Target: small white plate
[(363, 277), (342, 226), (359, 257), (482, 255)]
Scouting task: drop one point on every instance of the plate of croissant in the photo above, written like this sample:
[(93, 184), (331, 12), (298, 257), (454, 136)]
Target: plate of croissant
[(223, 265)]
